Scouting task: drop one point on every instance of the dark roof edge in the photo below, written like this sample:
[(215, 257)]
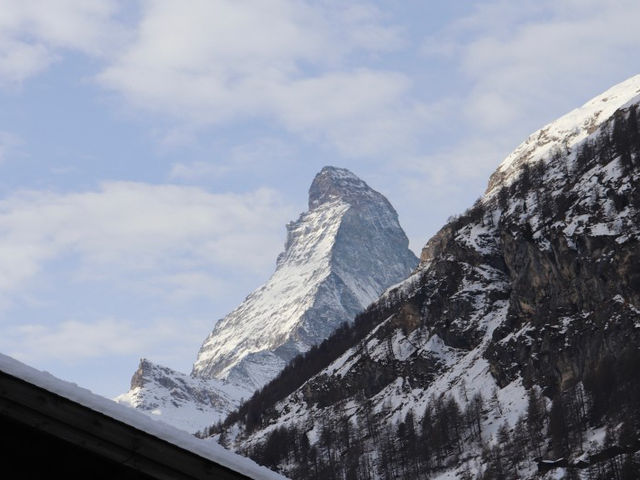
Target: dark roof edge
[(82, 426)]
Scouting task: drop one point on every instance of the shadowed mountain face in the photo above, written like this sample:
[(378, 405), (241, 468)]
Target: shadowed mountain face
[(339, 256), (511, 352)]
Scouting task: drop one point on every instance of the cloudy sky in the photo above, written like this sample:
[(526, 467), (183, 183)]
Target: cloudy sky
[(151, 151)]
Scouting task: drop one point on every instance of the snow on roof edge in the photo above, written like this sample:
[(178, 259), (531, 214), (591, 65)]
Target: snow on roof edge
[(204, 448)]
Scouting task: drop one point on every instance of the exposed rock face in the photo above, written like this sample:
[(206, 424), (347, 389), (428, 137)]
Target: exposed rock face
[(339, 257), (531, 288), (184, 402)]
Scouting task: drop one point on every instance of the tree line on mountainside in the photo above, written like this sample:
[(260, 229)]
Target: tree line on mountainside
[(366, 446), (555, 425)]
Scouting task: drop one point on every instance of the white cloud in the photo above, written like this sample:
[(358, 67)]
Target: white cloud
[(8, 144), (521, 65), (528, 61), (32, 33), (20, 60), (430, 187), (89, 273), (252, 157), (206, 62), (74, 341), (165, 236), (184, 286), (361, 112), (198, 170), (301, 65)]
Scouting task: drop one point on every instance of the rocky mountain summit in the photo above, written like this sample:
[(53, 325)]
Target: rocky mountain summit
[(339, 256), (510, 353)]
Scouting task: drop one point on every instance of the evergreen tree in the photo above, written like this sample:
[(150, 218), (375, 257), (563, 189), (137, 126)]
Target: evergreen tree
[(634, 130), (503, 198), (525, 178), (626, 162), (620, 134), (604, 148), (473, 415), (223, 440), (558, 428), (504, 442), (495, 401), (519, 441), (535, 419), (426, 436), (630, 469), (492, 457)]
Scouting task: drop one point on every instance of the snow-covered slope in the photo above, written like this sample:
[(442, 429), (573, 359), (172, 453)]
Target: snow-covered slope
[(523, 294), (183, 401), (564, 133), (268, 317), (205, 448), (339, 256)]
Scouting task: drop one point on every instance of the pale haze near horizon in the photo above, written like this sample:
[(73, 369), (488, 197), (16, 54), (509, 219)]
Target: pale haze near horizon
[(152, 152)]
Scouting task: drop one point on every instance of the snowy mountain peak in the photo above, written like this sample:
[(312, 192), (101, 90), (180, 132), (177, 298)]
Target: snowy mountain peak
[(339, 256), (329, 270), (333, 183), (564, 133)]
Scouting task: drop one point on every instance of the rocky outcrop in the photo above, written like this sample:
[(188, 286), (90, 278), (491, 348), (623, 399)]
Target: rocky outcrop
[(178, 399)]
